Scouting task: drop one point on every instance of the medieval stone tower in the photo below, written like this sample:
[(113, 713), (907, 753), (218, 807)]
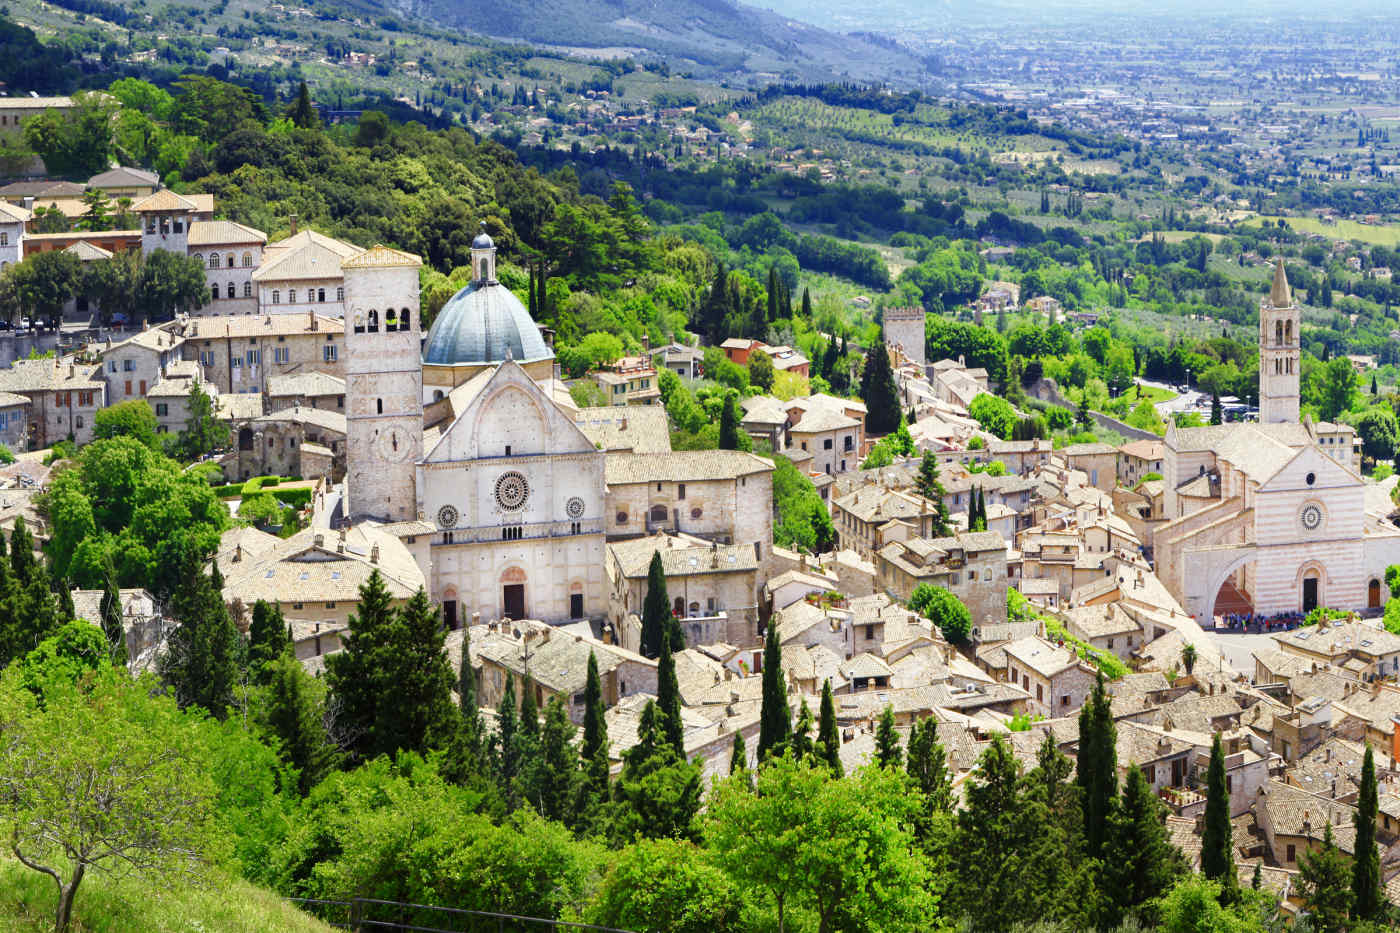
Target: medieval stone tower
[(904, 330), (1279, 357), (383, 385)]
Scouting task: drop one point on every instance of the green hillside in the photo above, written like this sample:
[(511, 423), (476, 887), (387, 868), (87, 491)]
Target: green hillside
[(220, 905)]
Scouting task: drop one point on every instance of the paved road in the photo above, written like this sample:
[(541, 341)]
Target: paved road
[(1239, 649), (1185, 401)]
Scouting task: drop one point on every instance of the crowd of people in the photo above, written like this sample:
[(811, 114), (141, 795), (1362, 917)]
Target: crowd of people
[(1259, 622)]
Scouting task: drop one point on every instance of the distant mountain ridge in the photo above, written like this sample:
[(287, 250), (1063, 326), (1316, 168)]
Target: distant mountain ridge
[(716, 34)]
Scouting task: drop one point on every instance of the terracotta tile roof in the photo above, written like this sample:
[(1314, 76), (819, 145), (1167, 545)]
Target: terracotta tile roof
[(307, 255), (306, 385), (260, 325), (680, 558), (381, 257), (638, 429), (164, 200), (304, 570)]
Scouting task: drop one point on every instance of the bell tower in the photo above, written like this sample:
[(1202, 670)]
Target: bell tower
[(383, 385), (1280, 361)]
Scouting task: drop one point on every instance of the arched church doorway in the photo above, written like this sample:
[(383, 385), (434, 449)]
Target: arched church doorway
[(1312, 590), (513, 593), (1373, 594)]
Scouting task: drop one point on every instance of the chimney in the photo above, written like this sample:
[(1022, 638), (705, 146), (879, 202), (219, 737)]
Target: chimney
[(292, 223), (29, 204), (237, 553), (320, 540), (476, 618), (544, 636), (312, 316), (374, 554)]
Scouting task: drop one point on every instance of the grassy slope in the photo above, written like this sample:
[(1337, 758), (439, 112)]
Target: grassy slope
[(104, 905)]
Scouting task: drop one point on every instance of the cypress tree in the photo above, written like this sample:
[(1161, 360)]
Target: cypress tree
[(729, 424), (668, 699), (111, 611), (555, 771), (302, 112), (773, 296), (64, 593), (1097, 766), (534, 302), (594, 750), (806, 303), (268, 636), (802, 732), (775, 719), (416, 683), (828, 735), (1322, 880), (656, 609), (830, 359), (1375, 387), (1217, 844), (294, 713), (1217, 416), (928, 485), (1368, 901), (877, 390), (466, 756), (355, 674), (201, 660), (22, 551), (928, 766), (714, 313), (529, 710), (1139, 859), (507, 744), (739, 757), (888, 754)]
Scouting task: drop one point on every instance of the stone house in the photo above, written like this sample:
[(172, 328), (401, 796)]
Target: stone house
[(317, 573), (1108, 628), (1020, 457), (713, 588), (307, 442), (302, 275), (686, 362), (1138, 458), (64, 397), (132, 366), (14, 422), (166, 218), (230, 253), (718, 495), (313, 389), (240, 353), (1057, 681), (170, 396), (1293, 821), (862, 518), (1164, 757), (554, 661), (970, 565), (832, 436), (1099, 462), (12, 224), (629, 381), (1375, 651)]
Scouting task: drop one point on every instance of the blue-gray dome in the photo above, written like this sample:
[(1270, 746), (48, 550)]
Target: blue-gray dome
[(483, 241), (478, 325)]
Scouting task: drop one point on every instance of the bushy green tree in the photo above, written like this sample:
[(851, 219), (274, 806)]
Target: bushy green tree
[(668, 884), (1140, 863), (1324, 880), (268, 635), (292, 710), (202, 664), (944, 609), (658, 792)]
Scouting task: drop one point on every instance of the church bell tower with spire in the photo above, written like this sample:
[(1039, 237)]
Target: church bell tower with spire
[(1279, 357)]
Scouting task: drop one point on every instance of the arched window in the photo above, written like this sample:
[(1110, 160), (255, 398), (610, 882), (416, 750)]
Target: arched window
[(359, 322), (247, 289), (199, 258), (373, 321), (276, 297), (214, 291), (405, 319), (340, 294), (484, 266), (391, 321), (320, 294), (658, 513), (1288, 332), (232, 290), (247, 260), (379, 406), (291, 296), (213, 260), (437, 395), (1278, 332)]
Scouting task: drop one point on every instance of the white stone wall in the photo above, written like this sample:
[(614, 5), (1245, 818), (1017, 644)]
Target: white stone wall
[(904, 328), (236, 264), (308, 294), (146, 366), (1280, 366), (11, 243), (837, 458), (306, 352), (551, 569), (168, 231), (736, 511), (383, 395)]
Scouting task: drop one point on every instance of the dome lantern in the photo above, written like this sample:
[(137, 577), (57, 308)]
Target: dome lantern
[(484, 258)]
